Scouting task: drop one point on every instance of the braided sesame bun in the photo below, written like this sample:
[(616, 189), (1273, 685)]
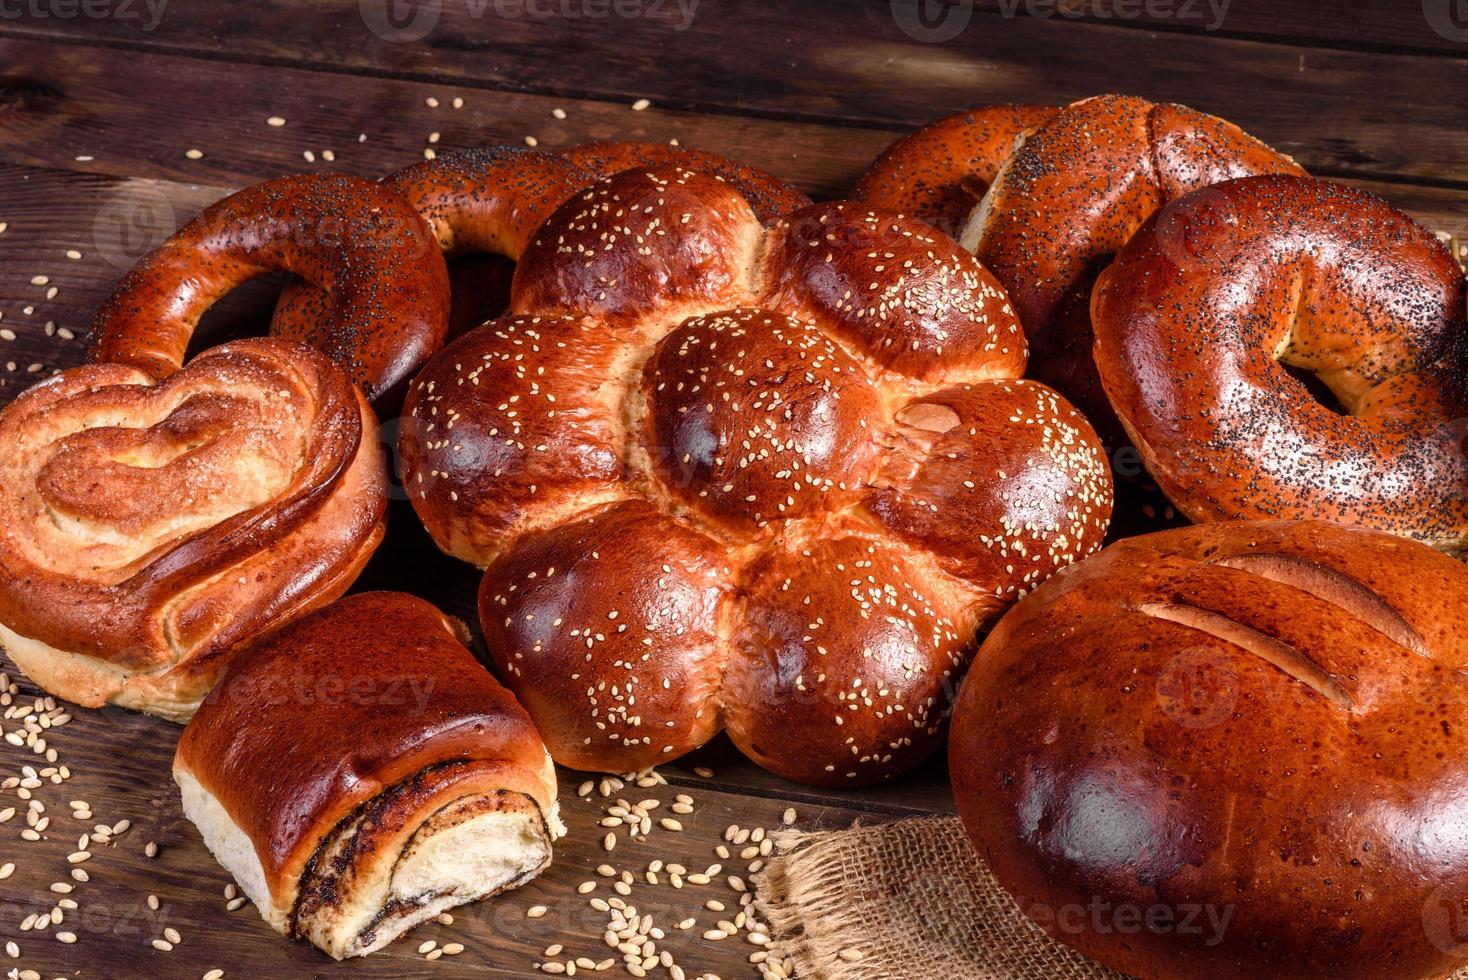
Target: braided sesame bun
[(723, 476)]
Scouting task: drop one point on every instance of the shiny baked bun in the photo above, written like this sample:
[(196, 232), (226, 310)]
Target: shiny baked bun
[(940, 172), (770, 197), (481, 206), (360, 773), (1070, 196), (149, 528), (727, 476), (380, 299), (1206, 311), (1230, 750)]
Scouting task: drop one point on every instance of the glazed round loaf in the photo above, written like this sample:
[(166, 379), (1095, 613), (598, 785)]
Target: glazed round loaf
[(723, 476), (1230, 750), (147, 529)]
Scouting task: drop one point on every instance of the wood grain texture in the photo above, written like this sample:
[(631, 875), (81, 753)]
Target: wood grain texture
[(1385, 25), (876, 69)]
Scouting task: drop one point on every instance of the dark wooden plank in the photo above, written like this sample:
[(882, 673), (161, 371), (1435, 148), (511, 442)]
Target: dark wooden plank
[(1340, 111), (1434, 26), (120, 114), (119, 764)]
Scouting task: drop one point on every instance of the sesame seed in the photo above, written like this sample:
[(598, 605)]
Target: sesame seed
[(536, 911), (194, 154), (66, 937), (559, 113), (641, 104), (851, 954), (163, 945), (276, 121), (531, 141)]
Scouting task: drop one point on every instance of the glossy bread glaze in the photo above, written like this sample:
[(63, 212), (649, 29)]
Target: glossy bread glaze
[(488, 200), (340, 707), (379, 307), (1230, 750), (683, 403), (770, 197), (1062, 191), (940, 172), (1202, 313), (148, 528)]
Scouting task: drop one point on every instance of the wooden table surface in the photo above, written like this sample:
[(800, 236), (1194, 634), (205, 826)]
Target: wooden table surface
[(102, 100)]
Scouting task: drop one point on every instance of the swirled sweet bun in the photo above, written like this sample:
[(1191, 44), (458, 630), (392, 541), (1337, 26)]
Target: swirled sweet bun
[(1230, 750), (147, 529), (360, 773)]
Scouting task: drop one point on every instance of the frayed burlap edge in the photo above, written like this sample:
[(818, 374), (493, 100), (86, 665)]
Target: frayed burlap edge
[(909, 900)]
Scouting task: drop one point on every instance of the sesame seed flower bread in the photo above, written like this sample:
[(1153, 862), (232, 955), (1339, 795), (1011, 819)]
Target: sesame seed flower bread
[(149, 528), (1230, 750), (724, 476), (1207, 307), (360, 773)]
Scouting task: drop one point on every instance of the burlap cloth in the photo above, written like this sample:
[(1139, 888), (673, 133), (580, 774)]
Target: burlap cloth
[(914, 901)]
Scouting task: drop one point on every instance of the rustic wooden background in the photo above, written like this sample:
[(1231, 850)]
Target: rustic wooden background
[(101, 102)]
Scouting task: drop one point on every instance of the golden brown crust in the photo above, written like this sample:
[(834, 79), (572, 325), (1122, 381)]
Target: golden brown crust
[(681, 397), (769, 196), (687, 242), (337, 708), (607, 629), (380, 306), (150, 528), (940, 172), (1260, 721), (1070, 197), (752, 418), (1236, 282), (1006, 506), (488, 200), (895, 290), (843, 658), (510, 428)]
